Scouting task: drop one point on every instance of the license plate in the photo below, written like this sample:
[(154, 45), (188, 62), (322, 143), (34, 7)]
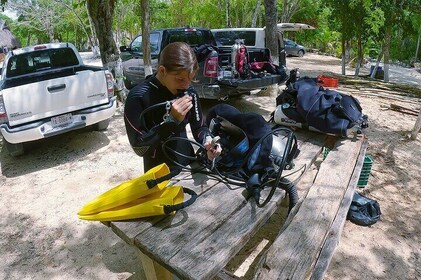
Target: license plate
[(61, 120)]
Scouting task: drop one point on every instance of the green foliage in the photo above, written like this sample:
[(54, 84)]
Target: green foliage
[(334, 20), (41, 21), (324, 37)]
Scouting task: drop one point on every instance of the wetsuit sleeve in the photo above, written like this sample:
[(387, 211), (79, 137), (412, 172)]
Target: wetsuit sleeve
[(143, 141), (197, 121)]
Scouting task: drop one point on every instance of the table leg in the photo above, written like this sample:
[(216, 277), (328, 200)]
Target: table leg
[(153, 270)]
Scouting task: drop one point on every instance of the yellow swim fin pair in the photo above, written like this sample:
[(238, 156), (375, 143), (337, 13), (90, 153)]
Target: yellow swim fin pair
[(147, 195)]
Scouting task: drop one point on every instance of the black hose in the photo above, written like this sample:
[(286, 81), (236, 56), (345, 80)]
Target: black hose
[(152, 107), (292, 192)]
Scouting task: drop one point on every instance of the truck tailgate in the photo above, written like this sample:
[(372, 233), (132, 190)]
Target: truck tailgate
[(44, 99), (254, 83)]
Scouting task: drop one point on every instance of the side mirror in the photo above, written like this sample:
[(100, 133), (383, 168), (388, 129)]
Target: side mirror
[(124, 49)]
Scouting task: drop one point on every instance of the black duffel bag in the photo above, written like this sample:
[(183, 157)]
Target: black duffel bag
[(326, 110)]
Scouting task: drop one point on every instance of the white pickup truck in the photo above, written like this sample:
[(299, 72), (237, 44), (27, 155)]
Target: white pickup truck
[(46, 90)]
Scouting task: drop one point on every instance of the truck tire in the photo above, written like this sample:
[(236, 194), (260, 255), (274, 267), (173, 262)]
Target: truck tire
[(14, 150), (102, 125)]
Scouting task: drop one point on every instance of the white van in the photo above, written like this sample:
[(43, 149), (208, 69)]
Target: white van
[(256, 38)]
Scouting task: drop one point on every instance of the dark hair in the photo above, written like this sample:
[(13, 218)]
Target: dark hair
[(178, 56)]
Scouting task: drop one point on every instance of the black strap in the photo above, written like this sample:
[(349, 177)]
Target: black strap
[(171, 208), (292, 149), (153, 182)]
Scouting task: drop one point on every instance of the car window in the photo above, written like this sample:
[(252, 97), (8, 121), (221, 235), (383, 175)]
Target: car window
[(228, 37), (137, 46), (154, 42), (289, 42), (192, 37), (41, 60)]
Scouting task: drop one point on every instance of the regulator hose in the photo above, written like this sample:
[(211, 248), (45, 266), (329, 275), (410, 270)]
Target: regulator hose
[(290, 188)]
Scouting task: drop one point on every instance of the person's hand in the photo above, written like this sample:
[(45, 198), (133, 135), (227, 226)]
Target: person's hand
[(180, 107), (213, 150)]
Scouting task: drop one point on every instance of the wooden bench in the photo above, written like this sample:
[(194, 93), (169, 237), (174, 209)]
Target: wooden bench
[(200, 240), (306, 244)]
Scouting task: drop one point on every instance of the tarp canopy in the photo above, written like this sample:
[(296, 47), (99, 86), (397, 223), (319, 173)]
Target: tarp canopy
[(286, 26)]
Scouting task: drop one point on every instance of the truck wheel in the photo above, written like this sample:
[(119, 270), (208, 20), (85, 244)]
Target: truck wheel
[(14, 150), (300, 53), (102, 125)]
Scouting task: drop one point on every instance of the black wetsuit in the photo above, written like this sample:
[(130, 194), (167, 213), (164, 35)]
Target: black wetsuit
[(146, 137)]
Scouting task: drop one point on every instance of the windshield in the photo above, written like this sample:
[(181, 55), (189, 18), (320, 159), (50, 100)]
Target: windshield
[(227, 38), (40, 60), (192, 37)]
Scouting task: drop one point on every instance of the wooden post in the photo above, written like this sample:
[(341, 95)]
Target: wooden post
[(417, 127), (153, 270)]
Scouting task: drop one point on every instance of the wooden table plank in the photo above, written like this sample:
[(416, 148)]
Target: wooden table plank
[(306, 234), (219, 238), (335, 231), (127, 230), (188, 229), (198, 241), (209, 256), (310, 146)]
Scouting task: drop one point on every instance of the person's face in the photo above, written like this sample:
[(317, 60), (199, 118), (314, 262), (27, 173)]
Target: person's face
[(175, 81)]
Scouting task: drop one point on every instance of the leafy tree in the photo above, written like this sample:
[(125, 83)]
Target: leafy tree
[(417, 22), (102, 13), (78, 19), (289, 8), (127, 21), (145, 38), (40, 16), (271, 14)]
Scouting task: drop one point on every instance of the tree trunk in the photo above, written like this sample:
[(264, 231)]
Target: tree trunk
[(343, 62), (102, 13), (227, 13), (95, 43), (387, 39), (28, 39), (289, 9), (256, 13), (284, 14), (145, 38), (344, 37), (271, 15), (418, 45), (359, 57)]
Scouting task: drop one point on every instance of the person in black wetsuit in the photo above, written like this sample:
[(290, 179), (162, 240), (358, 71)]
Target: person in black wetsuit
[(177, 68)]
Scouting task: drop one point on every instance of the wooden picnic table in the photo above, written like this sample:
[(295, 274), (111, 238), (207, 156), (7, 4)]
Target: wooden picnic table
[(198, 241)]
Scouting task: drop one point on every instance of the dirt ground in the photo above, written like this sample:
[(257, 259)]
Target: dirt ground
[(41, 192)]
